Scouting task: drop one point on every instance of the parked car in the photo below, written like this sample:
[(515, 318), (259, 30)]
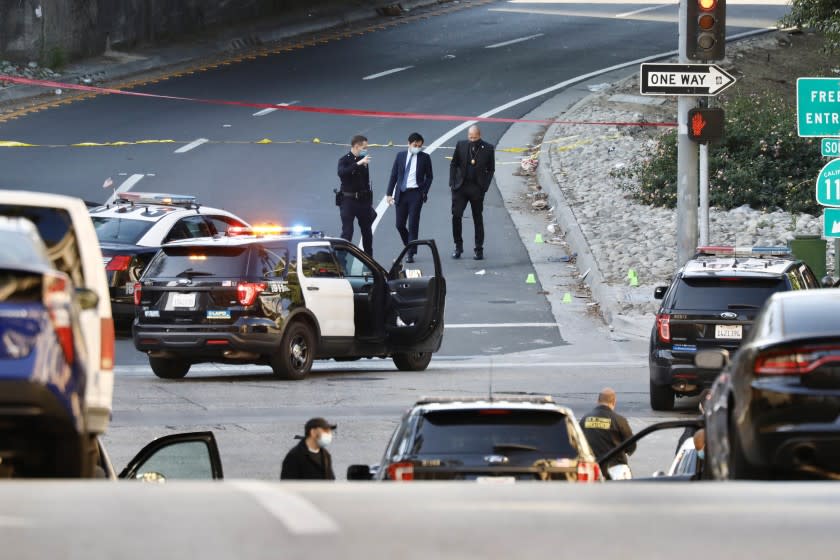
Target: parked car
[(502, 439), (711, 303), (773, 410), (183, 456), (132, 228), (64, 225), (285, 298), (43, 361)]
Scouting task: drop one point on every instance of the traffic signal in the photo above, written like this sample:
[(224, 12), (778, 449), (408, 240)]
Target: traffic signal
[(706, 30), (705, 124)]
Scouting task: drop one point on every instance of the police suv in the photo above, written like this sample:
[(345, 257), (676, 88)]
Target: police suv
[(711, 303), (136, 224), (285, 297)]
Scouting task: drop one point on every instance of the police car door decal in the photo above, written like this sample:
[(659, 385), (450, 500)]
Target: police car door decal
[(326, 294)]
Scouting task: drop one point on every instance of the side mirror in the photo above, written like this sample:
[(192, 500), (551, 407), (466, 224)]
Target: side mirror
[(657, 474), (827, 282), (659, 292), (714, 358), (88, 299), (359, 472)]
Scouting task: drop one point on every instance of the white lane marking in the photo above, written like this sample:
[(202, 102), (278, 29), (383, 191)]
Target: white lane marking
[(514, 41), (386, 73), (125, 186), (501, 325), (642, 10), (296, 513), (270, 110), (192, 145), (583, 77)]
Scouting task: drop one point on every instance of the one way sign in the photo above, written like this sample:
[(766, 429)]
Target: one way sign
[(684, 79)]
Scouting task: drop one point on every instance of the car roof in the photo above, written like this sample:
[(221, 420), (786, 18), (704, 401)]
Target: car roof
[(429, 404), (41, 199), (808, 313), (756, 267), (119, 211), (240, 240)]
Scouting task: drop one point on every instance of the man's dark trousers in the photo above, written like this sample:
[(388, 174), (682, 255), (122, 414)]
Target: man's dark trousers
[(408, 209), (474, 195), (361, 210)]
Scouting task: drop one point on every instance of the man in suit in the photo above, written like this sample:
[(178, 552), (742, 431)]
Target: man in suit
[(470, 174), (309, 459), (357, 192), (408, 188)]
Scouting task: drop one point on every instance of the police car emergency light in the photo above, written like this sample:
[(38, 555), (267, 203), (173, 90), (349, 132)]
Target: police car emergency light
[(158, 198), (743, 251), (263, 230)]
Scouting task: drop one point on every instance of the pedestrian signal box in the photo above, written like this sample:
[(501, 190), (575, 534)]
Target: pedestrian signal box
[(705, 124)]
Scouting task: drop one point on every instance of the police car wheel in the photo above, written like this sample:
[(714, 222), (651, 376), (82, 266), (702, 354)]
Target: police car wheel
[(169, 369), (412, 361), (294, 359), (661, 397)]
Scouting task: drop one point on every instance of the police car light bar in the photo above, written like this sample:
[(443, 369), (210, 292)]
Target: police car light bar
[(158, 198), (262, 230), (744, 251)]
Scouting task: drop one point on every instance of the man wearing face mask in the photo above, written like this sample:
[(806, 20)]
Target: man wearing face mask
[(408, 188), (309, 459), (357, 193), (470, 174)]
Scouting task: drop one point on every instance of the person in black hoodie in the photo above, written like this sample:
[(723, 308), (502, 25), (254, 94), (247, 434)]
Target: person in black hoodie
[(309, 459)]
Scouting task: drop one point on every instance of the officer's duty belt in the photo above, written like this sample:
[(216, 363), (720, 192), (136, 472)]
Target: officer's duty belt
[(358, 195)]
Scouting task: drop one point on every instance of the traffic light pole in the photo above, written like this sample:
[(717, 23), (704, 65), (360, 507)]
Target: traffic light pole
[(687, 192)]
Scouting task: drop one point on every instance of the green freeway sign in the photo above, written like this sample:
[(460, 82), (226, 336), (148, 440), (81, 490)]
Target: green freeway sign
[(828, 184), (830, 147), (831, 222), (818, 106)]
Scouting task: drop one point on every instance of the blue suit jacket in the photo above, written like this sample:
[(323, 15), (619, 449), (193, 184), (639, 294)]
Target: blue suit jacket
[(424, 173)]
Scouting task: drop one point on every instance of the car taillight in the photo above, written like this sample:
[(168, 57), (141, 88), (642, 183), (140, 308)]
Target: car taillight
[(401, 471), (118, 263), (247, 292), (588, 472), (663, 327), (106, 354), (138, 293), (795, 361), (57, 300)]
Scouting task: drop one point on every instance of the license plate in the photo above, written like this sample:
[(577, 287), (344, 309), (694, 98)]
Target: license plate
[(495, 480), (183, 300), (129, 289), (731, 332)]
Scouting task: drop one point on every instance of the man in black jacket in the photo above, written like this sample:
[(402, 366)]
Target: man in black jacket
[(408, 188), (604, 429), (356, 193), (309, 459), (470, 174)]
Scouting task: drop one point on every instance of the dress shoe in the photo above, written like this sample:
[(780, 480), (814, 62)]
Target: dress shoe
[(479, 254), (409, 259), (457, 253)]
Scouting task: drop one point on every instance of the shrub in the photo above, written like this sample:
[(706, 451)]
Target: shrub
[(822, 15)]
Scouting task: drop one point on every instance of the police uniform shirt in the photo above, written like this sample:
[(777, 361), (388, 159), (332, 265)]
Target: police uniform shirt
[(604, 429), (354, 177)]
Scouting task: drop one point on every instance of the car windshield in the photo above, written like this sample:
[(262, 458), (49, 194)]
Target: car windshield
[(20, 249), (187, 262), (494, 430), (120, 230), (714, 294)]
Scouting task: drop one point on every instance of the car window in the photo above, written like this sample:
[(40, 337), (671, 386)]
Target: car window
[(184, 460), (808, 277), (120, 230), (222, 223), (20, 249), (493, 430), (56, 230), (809, 315), (175, 262), (719, 293), (272, 261), (318, 262), (795, 280), (351, 264), (189, 228)]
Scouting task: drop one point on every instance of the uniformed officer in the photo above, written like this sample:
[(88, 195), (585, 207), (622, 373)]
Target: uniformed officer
[(604, 429), (356, 193)]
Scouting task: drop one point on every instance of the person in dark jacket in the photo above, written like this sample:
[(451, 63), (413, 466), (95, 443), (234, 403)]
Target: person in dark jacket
[(604, 429), (470, 174), (408, 188), (309, 459), (357, 193)]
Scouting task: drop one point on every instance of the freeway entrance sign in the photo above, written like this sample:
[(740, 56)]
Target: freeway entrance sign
[(818, 106), (830, 147), (683, 79), (828, 184), (831, 223)]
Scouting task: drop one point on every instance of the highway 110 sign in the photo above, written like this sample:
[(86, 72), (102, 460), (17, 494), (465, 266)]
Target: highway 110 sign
[(828, 184)]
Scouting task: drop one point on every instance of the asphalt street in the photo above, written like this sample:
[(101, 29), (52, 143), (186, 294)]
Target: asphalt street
[(470, 62)]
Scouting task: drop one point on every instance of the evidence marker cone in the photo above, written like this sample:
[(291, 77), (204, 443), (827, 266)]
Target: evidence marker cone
[(567, 298), (531, 279), (538, 238)]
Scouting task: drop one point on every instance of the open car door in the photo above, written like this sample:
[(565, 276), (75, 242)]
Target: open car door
[(416, 298), (187, 456)]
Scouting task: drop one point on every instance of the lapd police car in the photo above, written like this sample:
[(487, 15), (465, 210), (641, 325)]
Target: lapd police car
[(285, 298), (136, 224)]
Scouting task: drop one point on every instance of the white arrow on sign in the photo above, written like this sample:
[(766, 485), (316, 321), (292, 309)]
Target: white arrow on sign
[(684, 79)]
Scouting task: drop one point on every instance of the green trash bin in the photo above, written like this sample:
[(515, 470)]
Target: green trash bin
[(811, 250)]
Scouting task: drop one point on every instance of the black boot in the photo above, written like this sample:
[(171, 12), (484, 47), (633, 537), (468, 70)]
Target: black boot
[(457, 253), (479, 254)]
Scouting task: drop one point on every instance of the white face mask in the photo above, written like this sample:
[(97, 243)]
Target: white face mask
[(325, 439), (414, 150)]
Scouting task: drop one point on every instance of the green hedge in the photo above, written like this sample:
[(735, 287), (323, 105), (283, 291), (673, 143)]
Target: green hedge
[(760, 162)]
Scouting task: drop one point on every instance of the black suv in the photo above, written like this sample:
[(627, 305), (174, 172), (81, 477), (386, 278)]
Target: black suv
[(711, 303), (501, 439), (285, 300)]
